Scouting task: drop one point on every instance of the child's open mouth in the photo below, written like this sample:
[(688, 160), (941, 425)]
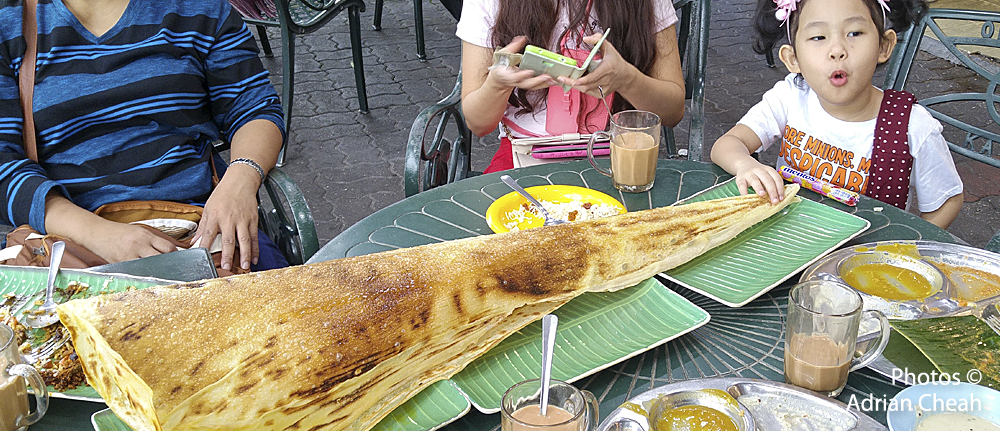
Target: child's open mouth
[(838, 78)]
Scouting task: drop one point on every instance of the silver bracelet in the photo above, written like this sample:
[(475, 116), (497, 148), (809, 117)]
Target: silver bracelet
[(250, 163)]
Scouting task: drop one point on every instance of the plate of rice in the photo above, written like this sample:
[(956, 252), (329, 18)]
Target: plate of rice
[(571, 203)]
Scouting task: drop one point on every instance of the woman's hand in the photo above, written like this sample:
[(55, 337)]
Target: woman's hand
[(613, 74), (510, 77), (113, 241), (231, 211)]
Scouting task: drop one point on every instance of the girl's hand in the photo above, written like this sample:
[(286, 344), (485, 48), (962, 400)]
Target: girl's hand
[(513, 77), (231, 211), (763, 179), (612, 74)]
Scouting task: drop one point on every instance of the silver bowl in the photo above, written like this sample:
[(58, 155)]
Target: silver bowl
[(715, 399)]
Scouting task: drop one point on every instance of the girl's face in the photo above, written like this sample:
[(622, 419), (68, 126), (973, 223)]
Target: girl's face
[(836, 51)]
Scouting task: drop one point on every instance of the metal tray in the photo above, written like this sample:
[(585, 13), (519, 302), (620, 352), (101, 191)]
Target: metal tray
[(812, 404), (957, 264), (952, 257)]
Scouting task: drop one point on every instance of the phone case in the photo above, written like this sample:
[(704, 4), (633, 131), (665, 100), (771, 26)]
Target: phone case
[(569, 151), (544, 61)]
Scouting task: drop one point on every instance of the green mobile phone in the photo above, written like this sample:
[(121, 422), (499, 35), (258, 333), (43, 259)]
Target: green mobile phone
[(544, 61)]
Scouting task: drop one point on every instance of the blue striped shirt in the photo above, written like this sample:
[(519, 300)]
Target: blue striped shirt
[(129, 115)]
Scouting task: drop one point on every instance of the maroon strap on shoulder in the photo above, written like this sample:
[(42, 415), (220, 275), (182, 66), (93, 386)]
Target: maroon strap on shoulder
[(26, 76), (891, 164)]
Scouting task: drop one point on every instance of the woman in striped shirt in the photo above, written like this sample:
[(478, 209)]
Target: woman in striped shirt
[(129, 96)]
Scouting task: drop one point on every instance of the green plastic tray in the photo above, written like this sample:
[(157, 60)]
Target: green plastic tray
[(768, 253)]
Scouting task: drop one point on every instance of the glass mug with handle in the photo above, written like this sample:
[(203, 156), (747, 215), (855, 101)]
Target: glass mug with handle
[(14, 411), (635, 146), (569, 408), (821, 336)]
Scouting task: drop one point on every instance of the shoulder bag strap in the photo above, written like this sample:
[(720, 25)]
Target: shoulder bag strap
[(891, 164), (26, 76)]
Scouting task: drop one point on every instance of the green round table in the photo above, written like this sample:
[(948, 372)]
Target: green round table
[(737, 342)]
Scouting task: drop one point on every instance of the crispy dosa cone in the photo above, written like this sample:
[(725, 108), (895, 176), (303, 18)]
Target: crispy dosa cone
[(337, 345)]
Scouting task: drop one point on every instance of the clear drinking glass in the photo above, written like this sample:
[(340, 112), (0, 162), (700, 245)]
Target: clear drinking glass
[(821, 334), (14, 411), (569, 408), (635, 146)]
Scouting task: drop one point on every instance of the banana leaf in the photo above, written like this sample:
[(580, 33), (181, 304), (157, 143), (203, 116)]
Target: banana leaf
[(956, 345)]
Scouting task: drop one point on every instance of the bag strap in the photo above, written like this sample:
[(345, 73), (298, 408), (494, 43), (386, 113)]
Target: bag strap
[(891, 163), (26, 76)]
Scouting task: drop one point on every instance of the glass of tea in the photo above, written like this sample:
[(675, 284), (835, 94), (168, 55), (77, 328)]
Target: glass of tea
[(569, 409), (635, 146), (15, 413), (821, 334)]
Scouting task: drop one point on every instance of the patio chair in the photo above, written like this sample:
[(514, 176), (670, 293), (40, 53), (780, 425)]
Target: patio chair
[(445, 156), (301, 17), (946, 106)]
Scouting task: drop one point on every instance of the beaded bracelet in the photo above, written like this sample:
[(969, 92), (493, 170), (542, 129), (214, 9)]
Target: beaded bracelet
[(251, 164)]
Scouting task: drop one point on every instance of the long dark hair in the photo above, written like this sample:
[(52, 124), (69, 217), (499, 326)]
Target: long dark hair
[(770, 31), (630, 21)]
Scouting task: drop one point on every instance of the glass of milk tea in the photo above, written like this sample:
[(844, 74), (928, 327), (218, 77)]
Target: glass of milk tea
[(14, 411), (635, 145), (821, 334), (569, 409)]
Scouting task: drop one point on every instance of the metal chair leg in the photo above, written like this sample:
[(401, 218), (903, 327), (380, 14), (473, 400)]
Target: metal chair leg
[(354, 19), (265, 44), (377, 21), (287, 85), (418, 23)]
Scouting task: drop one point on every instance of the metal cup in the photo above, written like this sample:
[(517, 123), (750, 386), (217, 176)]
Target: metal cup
[(821, 335), (14, 411)]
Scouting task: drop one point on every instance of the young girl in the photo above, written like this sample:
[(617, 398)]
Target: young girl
[(831, 122), (640, 63)]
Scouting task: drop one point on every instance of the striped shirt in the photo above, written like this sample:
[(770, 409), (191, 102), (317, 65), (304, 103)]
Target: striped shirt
[(129, 115)]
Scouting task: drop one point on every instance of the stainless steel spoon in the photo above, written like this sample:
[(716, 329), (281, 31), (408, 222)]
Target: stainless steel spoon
[(549, 324), (549, 220), (45, 315)]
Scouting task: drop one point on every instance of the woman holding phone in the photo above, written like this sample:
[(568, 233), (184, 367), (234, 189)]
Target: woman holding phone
[(640, 66)]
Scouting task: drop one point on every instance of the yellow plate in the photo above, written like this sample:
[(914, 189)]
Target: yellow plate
[(496, 214)]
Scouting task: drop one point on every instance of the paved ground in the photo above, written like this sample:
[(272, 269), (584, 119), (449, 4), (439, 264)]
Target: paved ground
[(350, 165)]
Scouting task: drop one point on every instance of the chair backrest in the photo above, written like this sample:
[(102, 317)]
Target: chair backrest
[(946, 30), (692, 41)]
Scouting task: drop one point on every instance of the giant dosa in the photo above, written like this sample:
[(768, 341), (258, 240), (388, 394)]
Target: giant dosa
[(337, 345)]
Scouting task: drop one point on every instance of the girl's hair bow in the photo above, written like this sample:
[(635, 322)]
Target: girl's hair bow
[(785, 8)]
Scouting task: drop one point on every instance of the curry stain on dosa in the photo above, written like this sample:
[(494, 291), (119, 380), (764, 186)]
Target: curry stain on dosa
[(337, 345)]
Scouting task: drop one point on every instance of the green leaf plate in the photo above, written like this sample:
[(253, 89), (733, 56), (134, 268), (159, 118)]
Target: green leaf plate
[(596, 330), (432, 408), (25, 280), (957, 345), (768, 253)]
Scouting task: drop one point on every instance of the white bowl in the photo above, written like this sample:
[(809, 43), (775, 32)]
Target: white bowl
[(924, 399)]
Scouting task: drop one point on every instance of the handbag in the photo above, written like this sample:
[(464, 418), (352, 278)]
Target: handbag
[(173, 221)]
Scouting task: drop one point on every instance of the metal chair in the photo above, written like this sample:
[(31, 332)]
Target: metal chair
[(301, 17), (979, 139), (284, 216), (445, 156)]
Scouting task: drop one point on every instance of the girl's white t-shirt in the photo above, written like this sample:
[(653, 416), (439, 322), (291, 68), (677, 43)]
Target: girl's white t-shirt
[(839, 152), (476, 26)]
